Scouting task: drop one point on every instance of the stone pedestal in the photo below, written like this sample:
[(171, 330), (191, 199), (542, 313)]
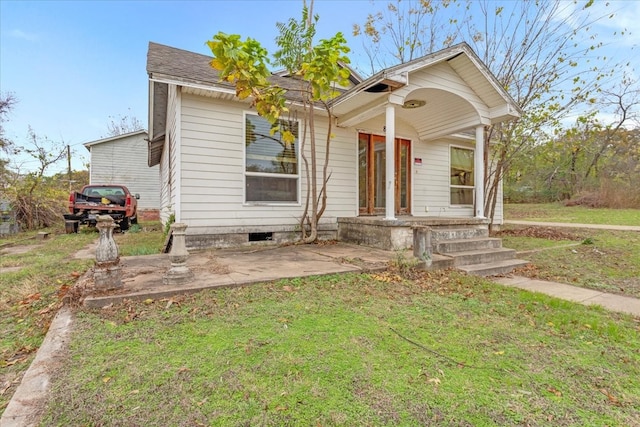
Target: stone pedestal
[(107, 274), (422, 245), (179, 273)]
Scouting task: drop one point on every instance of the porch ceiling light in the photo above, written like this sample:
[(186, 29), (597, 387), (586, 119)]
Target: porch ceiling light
[(413, 103)]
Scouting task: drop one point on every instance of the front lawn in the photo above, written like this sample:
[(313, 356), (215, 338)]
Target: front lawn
[(434, 349), (557, 212), (35, 275)]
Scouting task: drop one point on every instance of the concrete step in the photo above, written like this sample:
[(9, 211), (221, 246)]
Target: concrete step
[(459, 233), (481, 256), (461, 245), (440, 262), (493, 268)]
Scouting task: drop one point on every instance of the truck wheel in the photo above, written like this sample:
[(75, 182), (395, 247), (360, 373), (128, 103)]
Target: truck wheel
[(124, 224), (71, 227), (134, 220)]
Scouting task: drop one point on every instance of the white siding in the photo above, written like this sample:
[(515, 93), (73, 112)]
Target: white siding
[(431, 196), (124, 161), (212, 165), (168, 161), (443, 77)]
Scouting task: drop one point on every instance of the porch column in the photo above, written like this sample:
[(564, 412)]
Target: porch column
[(390, 137), (479, 171)]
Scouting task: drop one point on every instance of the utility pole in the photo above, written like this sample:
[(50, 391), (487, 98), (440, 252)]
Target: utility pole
[(69, 165)]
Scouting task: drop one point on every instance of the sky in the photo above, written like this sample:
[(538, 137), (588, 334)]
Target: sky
[(75, 65)]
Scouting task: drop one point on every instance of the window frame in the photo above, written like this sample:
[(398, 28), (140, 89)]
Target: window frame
[(467, 187), (297, 176)]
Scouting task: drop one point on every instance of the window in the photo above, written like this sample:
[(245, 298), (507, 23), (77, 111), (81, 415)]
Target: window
[(271, 165), (462, 176)]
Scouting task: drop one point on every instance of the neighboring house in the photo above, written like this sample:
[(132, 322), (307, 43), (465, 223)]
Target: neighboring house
[(122, 159), (231, 183)]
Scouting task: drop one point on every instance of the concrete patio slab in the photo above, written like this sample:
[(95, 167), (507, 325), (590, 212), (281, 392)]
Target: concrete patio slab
[(142, 276)]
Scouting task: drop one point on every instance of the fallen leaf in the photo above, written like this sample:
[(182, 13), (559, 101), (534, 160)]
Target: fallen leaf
[(14, 361), (554, 391), (501, 352), (148, 301), (106, 379), (612, 399), (45, 310), (30, 298), (435, 381)]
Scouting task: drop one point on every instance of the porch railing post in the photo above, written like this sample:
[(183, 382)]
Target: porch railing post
[(479, 172), (390, 139)]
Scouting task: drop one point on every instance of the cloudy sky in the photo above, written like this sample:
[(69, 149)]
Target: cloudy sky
[(74, 64)]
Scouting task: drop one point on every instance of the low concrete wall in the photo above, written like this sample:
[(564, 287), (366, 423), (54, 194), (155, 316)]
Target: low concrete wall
[(231, 240), (376, 235), (398, 234)]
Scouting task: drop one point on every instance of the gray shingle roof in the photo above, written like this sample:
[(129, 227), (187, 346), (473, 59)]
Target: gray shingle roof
[(194, 68), (185, 65)]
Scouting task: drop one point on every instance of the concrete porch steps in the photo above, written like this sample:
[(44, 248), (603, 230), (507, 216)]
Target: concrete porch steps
[(471, 244), (493, 268), (480, 256)]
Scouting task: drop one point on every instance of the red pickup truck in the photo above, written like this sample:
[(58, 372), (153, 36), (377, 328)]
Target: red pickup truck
[(108, 199)]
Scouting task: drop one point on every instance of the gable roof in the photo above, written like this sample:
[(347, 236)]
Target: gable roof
[(462, 92), (165, 62), (460, 57), (90, 144), (171, 65)]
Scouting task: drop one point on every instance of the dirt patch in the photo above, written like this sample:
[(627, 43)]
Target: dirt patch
[(548, 233), (18, 249), (209, 263), (88, 252)]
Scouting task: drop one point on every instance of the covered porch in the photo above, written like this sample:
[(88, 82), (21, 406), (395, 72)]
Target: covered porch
[(448, 98)]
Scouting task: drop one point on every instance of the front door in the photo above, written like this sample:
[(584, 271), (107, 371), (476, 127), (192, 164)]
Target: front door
[(372, 175)]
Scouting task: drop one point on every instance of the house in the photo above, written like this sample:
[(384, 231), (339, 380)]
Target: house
[(122, 159), (407, 150)]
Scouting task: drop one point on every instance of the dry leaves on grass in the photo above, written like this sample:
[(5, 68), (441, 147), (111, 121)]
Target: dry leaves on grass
[(548, 233)]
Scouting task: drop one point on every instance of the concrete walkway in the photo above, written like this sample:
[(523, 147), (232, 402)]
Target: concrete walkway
[(572, 225), (585, 296), (142, 277)]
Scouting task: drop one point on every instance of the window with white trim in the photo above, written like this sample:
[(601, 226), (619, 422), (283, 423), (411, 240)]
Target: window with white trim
[(461, 166), (271, 164)]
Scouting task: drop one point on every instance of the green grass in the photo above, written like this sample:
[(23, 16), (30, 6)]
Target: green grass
[(430, 349), (35, 276), (609, 262), (556, 212), (435, 349), (145, 238)]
